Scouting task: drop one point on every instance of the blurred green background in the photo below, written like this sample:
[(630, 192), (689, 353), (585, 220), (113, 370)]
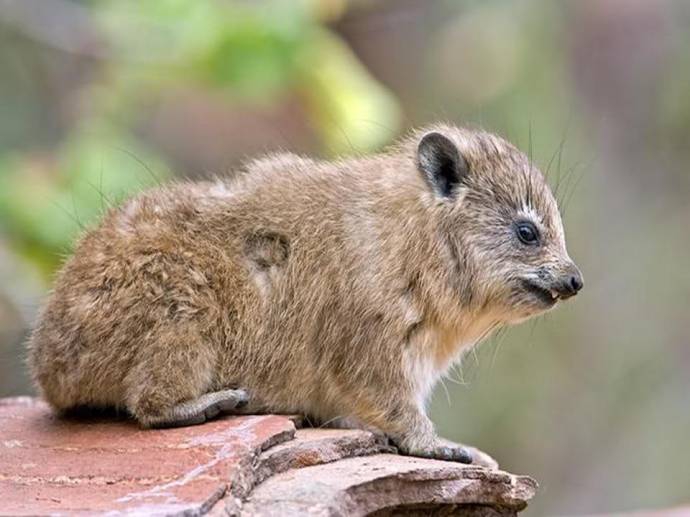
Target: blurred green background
[(101, 99)]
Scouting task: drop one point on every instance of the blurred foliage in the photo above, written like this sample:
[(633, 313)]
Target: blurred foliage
[(254, 53), (46, 200)]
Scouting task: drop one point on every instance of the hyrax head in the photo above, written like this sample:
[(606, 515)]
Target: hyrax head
[(501, 220)]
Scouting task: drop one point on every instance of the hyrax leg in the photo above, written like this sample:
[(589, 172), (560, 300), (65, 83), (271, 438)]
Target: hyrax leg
[(417, 437), (172, 382), (413, 433)]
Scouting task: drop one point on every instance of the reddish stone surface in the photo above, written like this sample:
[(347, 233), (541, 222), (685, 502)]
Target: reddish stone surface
[(250, 465), (50, 465)]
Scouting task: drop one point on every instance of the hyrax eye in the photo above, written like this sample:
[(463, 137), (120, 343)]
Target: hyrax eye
[(527, 233)]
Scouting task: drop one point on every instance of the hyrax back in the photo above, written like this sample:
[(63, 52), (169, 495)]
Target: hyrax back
[(338, 290)]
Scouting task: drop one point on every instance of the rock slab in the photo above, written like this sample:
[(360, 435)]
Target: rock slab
[(242, 465)]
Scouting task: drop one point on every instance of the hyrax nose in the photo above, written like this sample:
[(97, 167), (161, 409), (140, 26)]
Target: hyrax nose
[(569, 284)]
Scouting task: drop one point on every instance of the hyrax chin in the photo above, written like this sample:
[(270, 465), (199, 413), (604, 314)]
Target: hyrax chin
[(339, 290)]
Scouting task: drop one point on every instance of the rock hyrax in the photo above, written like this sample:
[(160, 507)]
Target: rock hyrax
[(339, 290)]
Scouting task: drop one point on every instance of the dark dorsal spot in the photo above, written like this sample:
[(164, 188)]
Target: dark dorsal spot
[(267, 249)]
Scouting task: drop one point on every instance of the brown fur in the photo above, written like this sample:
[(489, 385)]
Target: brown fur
[(341, 289)]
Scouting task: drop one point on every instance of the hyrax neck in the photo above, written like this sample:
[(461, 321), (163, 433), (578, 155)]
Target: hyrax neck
[(436, 347), (440, 308)]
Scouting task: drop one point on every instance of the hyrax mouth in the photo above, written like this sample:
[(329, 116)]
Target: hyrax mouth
[(546, 296)]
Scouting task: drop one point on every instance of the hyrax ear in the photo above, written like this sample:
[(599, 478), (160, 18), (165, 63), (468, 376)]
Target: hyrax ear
[(442, 165)]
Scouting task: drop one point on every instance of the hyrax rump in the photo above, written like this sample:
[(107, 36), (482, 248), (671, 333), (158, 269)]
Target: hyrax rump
[(334, 289)]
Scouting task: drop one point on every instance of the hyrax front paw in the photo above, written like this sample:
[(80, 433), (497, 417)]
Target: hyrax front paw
[(442, 449), (439, 449), (481, 458)]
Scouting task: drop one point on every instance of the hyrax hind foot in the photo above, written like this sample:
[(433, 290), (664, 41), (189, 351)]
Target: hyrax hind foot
[(198, 411)]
